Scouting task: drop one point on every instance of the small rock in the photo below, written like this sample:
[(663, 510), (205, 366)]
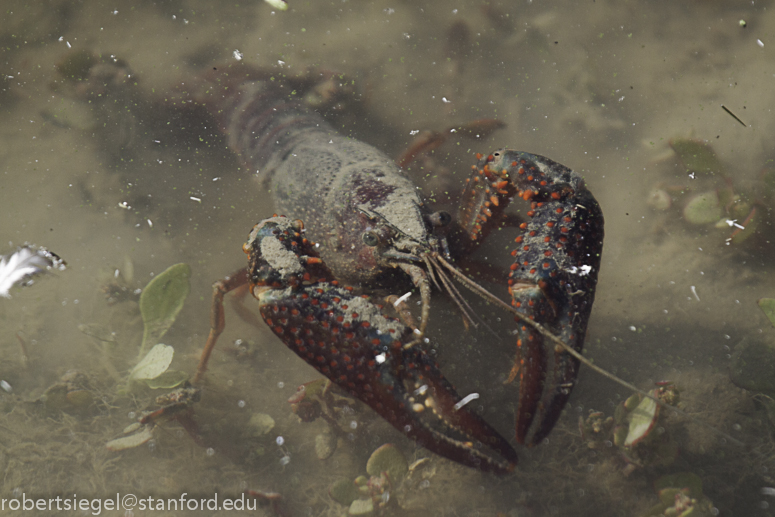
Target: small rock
[(361, 507), (260, 424)]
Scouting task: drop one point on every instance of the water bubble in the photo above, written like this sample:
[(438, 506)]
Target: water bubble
[(210, 451), (280, 440), (241, 404), (425, 484), (281, 384), (353, 424), (285, 460), (737, 427), (132, 415)]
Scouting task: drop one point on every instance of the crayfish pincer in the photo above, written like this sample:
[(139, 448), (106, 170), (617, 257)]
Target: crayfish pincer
[(347, 338)]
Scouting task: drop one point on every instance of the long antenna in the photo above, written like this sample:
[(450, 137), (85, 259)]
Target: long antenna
[(559, 342)]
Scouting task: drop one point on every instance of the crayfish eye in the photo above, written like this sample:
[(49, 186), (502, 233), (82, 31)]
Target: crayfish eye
[(438, 219), (370, 238)]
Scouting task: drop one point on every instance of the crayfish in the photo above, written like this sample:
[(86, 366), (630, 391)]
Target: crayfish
[(364, 224)]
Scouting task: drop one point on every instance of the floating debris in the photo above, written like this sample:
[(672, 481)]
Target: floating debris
[(24, 264)]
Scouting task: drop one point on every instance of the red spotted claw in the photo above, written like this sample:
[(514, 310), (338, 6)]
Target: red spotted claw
[(348, 339), (553, 278)]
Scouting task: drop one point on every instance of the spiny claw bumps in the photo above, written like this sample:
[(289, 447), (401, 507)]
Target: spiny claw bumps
[(348, 339), (553, 278)]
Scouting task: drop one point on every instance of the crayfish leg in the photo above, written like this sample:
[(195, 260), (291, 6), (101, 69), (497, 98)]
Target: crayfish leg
[(217, 317)]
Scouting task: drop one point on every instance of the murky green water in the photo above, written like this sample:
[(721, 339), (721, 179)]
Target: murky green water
[(599, 86)]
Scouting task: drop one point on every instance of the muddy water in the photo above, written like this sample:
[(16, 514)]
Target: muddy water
[(601, 87)]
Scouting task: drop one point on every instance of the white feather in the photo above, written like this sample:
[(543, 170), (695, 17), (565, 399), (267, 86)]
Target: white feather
[(21, 266)]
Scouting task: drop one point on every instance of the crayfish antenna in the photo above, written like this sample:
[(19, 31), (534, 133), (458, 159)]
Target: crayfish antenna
[(473, 286)]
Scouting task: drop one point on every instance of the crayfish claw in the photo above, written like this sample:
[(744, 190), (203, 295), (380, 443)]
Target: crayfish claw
[(347, 338), (438, 419), (553, 278)]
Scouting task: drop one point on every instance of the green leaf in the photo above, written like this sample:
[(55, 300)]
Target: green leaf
[(697, 156), (133, 440), (388, 458), (752, 365), (161, 301), (704, 208), (767, 305), (167, 380), (344, 492), (642, 420), (154, 363)]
